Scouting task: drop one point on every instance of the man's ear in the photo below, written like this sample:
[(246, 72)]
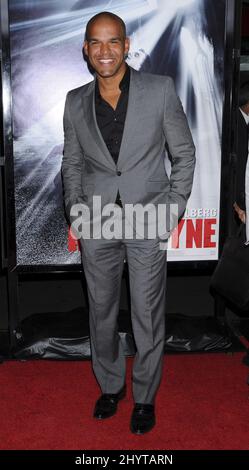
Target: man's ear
[(85, 48), (127, 45)]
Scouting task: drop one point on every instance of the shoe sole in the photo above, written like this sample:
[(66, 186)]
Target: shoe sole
[(138, 432)]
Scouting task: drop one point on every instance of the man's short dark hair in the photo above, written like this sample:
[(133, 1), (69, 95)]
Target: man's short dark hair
[(106, 14), (244, 94)]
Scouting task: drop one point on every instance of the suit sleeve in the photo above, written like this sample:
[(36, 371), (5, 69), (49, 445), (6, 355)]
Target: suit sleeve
[(181, 147), (72, 162)]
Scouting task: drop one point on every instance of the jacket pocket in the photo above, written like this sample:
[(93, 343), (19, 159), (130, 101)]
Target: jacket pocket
[(89, 188), (157, 186)]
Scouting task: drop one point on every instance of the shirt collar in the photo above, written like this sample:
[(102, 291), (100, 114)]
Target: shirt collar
[(125, 82)]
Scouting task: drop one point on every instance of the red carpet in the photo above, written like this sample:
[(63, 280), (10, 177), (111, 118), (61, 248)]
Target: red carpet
[(202, 404)]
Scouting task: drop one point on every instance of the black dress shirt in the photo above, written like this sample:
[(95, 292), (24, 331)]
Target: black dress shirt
[(111, 122)]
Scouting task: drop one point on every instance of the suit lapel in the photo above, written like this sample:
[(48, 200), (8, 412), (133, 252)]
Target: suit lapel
[(134, 109), (88, 101)]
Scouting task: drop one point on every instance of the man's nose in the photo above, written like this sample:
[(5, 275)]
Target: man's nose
[(104, 49)]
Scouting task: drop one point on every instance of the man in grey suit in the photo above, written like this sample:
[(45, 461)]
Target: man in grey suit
[(116, 130)]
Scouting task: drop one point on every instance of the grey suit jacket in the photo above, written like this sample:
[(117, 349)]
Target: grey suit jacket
[(154, 118)]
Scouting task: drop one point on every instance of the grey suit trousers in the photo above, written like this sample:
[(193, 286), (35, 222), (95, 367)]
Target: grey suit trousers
[(103, 262)]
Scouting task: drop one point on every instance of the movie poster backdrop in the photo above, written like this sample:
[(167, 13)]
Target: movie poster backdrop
[(183, 39)]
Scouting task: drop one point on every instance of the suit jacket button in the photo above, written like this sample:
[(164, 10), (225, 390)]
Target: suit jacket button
[(119, 173)]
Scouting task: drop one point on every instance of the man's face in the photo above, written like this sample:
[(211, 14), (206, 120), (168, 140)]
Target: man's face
[(106, 47)]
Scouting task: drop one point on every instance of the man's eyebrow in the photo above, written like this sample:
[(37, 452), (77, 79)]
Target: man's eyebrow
[(111, 39)]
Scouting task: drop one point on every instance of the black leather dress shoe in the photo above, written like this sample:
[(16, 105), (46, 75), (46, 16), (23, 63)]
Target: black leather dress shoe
[(143, 418), (107, 404)]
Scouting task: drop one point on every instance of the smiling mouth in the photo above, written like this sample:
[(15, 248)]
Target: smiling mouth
[(106, 61)]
